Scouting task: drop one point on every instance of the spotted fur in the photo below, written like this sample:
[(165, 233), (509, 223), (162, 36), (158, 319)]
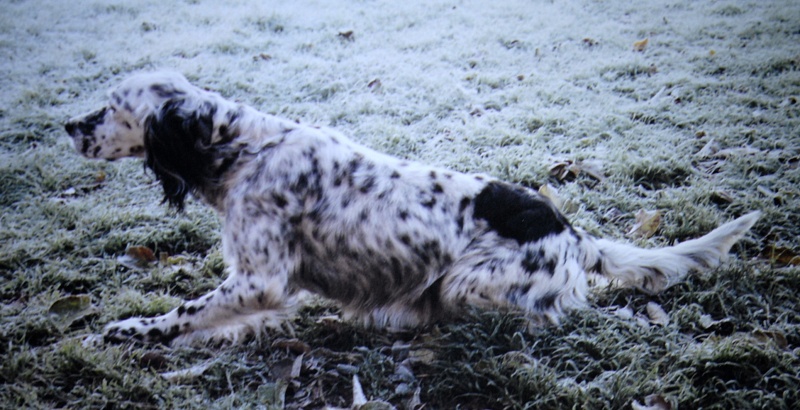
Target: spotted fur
[(396, 243)]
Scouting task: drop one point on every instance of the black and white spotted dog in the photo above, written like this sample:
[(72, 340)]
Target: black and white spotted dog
[(396, 243)]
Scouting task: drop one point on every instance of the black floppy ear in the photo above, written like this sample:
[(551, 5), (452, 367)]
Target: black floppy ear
[(178, 148)]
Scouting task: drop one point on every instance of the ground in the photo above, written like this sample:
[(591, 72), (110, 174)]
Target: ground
[(700, 122)]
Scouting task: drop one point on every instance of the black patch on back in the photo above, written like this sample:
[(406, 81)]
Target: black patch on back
[(518, 214)]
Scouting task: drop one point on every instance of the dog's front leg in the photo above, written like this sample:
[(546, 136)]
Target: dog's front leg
[(238, 307), (253, 296)]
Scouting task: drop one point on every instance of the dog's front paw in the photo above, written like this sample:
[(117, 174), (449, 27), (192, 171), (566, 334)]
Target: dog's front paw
[(141, 330)]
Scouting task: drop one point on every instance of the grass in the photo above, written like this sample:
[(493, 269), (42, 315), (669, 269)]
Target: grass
[(475, 90)]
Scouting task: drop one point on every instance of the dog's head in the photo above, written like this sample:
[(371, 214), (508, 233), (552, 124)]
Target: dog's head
[(117, 129), (169, 122)]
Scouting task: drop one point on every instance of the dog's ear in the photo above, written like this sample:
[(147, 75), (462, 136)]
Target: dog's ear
[(178, 148)]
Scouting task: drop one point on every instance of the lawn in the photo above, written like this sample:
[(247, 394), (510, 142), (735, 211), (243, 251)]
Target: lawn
[(686, 108)]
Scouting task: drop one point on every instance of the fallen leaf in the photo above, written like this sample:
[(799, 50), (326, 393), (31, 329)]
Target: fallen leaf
[(565, 170), (711, 166), (153, 360), (187, 374), (346, 369), (778, 255), (347, 35), (414, 402), (70, 305), (550, 192), (624, 313), (736, 152), (640, 45), (272, 395), (376, 405), (652, 402), (568, 170), (647, 222), (137, 257), (293, 345), (721, 197), (426, 356), (723, 327), (657, 314), (765, 336), (70, 309), (793, 162), (593, 168)]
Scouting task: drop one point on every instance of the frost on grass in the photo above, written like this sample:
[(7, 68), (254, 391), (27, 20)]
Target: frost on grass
[(700, 124)]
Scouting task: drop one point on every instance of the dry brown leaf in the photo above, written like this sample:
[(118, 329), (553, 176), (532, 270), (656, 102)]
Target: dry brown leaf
[(625, 313), (550, 192), (565, 170), (721, 197), (137, 257), (375, 85), (70, 305), (657, 314), (593, 168), (722, 327), (287, 369), (647, 223), (426, 356), (153, 360), (70, 309), (641, 44), (347, 35), (736, 152), (778, 255), (568, 170), (652, 402), (765, 336), (187, 374), (293, 345), (793, 162)]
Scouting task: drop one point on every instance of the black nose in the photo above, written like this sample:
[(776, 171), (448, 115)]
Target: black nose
[(70, 127)]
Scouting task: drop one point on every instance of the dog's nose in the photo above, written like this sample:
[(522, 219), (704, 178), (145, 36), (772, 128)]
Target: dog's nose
[(70, 127)]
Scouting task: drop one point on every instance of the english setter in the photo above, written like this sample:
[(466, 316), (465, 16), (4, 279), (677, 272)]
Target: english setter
[(396, 243)]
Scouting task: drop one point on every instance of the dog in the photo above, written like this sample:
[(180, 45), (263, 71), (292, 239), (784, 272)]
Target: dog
[(396, 243)]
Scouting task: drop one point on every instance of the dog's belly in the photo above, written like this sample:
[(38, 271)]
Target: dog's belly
[(366, 277)]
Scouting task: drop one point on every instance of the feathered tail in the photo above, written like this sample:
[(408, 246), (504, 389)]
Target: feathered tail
[(653, 270)]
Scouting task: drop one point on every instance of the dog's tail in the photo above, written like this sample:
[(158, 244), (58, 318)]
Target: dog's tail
[(653, 270)]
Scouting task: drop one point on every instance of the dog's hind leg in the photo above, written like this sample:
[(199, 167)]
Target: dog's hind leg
[(543, 278)]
